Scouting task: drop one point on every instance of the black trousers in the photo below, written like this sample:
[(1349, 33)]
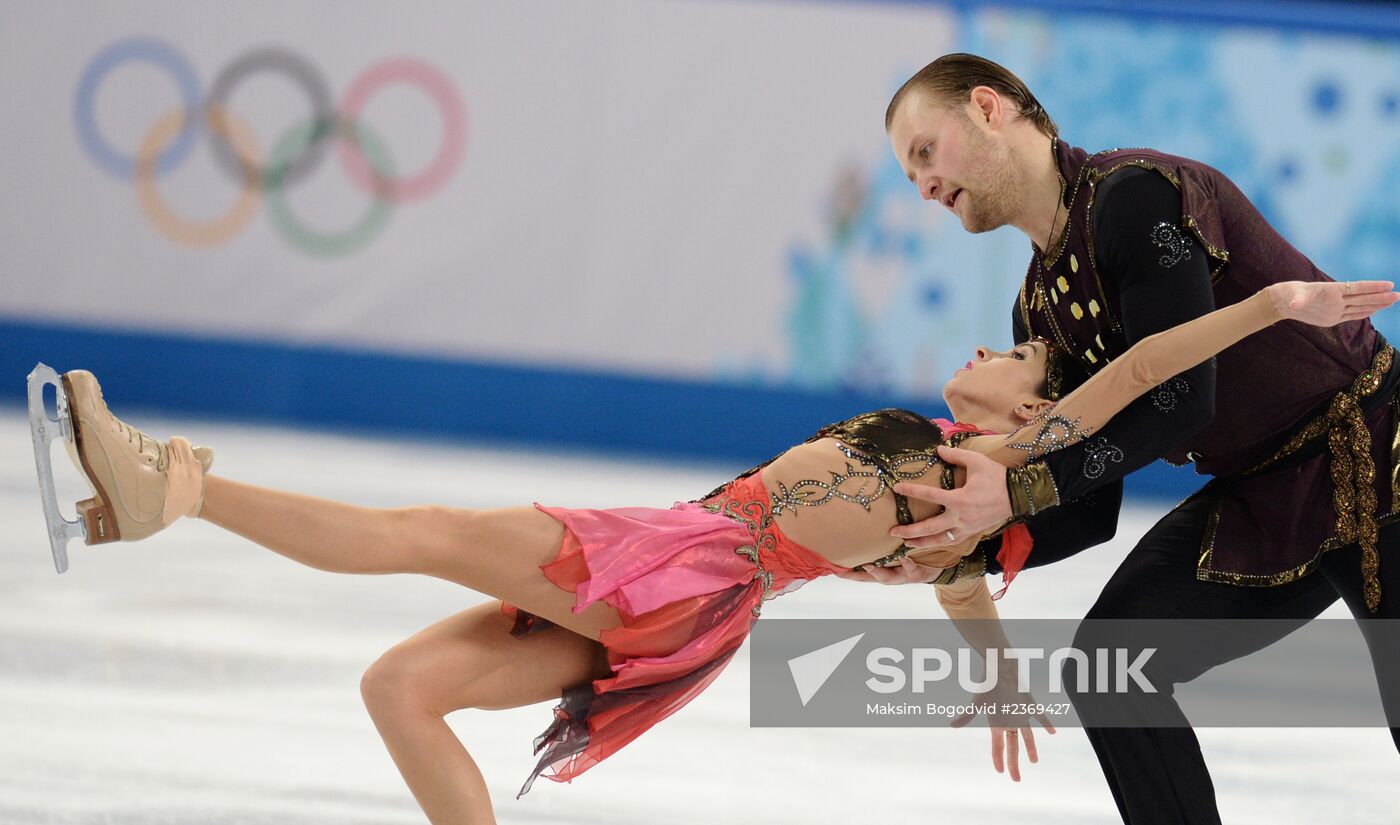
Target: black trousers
[(1157, 775)]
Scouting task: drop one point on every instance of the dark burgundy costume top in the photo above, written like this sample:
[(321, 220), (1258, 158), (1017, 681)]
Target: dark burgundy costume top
[(1302, 433)]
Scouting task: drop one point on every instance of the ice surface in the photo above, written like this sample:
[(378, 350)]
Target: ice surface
[(197, 678)]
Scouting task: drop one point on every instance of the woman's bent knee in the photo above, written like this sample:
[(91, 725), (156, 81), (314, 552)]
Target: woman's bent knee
[(398, 680)]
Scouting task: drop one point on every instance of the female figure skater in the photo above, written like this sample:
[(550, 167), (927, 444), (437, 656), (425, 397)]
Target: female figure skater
[(629, 613)]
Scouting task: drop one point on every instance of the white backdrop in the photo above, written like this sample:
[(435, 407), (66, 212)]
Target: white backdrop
[(692, 189), (633, 173)]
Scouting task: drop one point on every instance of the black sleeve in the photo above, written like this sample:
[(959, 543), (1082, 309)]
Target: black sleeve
[(1062, 531), (1076, 524), (1163, 276)]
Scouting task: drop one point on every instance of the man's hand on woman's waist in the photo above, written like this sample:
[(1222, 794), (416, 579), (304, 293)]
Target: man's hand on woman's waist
[(978, 507)]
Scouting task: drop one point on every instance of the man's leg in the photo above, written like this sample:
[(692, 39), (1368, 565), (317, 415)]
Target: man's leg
[(1157, 774), (1342, 567)]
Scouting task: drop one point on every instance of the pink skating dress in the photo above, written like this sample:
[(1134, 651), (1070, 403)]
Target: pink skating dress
[(688, 584)]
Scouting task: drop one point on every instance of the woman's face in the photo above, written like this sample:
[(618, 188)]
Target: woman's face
[(1000, 389)]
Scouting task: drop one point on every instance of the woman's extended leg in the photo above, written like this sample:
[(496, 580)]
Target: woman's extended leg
[(469, 660), (495, 552)]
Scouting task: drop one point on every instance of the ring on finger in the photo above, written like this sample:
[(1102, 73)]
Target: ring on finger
[(950, 535)]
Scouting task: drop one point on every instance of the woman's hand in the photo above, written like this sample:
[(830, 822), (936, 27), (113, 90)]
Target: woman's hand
[(1008, 731), (917, 566), (908, 572), (1325, 303), (1006, 750)]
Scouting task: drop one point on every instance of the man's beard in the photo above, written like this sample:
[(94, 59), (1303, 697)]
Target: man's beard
[(993, 200)]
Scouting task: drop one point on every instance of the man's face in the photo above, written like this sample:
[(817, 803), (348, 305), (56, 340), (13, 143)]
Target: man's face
[(954, 160)]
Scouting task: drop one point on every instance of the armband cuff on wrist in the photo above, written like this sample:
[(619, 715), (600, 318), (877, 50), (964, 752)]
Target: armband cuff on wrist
[(969, 566), (1032, 489)]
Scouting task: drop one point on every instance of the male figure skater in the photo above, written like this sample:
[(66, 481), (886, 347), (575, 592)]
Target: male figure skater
[(1296, 424)]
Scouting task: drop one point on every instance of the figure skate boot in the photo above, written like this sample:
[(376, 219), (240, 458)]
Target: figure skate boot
[(139, 485)]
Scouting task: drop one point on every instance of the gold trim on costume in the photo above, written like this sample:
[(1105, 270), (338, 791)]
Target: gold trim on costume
[(1395, 455), (1087, 179), (1049, 315), (1220, 255), (1353, 486), (754, 516), (1032, 489), (973, 564), (947, 479), (887, 471), (1041, 265), (1046, 263)]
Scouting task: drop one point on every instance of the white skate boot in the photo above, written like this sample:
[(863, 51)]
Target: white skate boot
[(139, 485)]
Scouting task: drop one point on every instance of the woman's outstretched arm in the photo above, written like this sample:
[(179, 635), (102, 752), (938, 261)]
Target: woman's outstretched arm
[(1158, 357)]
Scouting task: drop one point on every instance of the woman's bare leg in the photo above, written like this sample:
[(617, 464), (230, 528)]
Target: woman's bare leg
[(469, 660), (495, 552)]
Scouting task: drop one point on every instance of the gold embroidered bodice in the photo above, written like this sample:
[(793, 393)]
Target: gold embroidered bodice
[(859, 460)]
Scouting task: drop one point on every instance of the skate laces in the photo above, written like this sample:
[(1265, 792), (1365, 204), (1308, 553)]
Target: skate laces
[(135, 436)]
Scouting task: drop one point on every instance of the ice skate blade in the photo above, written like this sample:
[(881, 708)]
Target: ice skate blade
[(45, 431)]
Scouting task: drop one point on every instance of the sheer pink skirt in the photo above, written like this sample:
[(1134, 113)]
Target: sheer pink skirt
[(687, 601)]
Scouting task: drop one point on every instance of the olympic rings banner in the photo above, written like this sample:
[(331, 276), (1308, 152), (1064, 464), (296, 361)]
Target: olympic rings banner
[(676, 189), (297, 152)]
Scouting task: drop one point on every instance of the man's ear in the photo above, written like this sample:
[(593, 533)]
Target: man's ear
[(986, 106)]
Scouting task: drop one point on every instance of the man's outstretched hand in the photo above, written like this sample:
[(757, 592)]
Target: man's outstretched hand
[(978, 507)]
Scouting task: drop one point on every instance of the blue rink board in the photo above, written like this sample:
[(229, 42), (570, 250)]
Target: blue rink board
[(415, 396)]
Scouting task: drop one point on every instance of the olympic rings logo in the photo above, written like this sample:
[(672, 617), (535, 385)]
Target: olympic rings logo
[(365, 158)]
